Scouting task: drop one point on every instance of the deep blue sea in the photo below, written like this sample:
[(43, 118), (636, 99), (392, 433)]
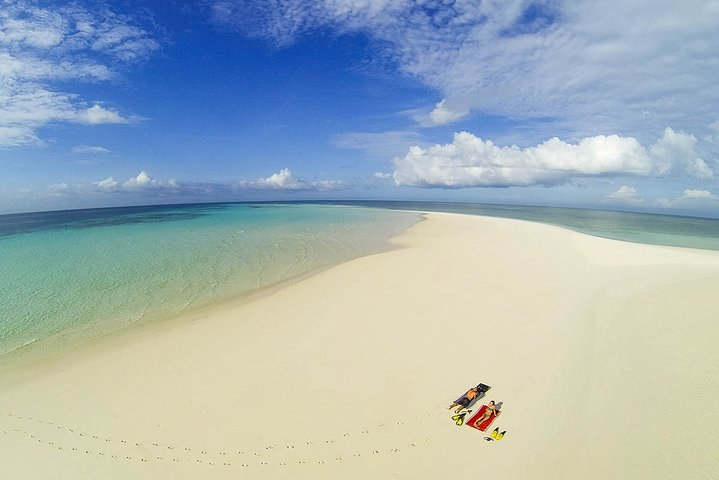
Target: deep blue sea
[(71, 275)]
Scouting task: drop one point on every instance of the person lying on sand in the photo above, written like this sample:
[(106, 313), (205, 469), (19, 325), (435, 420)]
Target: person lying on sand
[(490, 412), (465, 400)]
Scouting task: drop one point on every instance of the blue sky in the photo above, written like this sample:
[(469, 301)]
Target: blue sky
[(590, 104)]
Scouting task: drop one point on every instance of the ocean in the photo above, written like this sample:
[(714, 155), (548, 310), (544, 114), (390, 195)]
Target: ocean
[(72, 275), (68, 276)]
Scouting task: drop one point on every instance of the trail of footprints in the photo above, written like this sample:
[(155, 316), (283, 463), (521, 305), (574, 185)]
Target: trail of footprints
[(155, 452)]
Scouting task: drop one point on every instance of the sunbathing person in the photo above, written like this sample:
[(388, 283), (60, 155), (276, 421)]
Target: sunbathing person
[(490, 412), (465, 400)]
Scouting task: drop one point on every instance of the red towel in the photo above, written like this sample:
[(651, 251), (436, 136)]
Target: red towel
[(484, 425)]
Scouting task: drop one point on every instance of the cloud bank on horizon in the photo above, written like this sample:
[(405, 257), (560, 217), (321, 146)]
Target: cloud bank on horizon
[(470, 161)]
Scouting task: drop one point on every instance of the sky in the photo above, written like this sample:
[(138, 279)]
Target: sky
[(610, 105)]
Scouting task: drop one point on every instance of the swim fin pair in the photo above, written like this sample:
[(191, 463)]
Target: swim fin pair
[(496, 434), (459, 418)]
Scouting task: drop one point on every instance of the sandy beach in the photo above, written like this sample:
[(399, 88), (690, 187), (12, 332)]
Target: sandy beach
[(602, 353)]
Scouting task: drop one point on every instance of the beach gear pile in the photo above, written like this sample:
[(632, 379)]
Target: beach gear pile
[(480, 420)]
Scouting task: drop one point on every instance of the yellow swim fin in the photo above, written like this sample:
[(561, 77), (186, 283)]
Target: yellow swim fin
[(500, 435), (494, 433)]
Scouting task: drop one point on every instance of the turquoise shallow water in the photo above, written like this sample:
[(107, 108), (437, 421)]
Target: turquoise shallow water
[(67, 276), (78, 274), (673, 230)]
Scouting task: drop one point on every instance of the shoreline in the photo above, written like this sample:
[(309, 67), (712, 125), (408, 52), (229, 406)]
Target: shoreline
[(57, 344), (382, 344)]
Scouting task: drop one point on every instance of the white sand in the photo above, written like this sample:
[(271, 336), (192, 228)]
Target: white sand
[(603, 354)]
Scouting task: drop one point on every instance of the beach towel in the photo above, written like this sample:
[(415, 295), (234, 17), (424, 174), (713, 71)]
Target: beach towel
[(484, 425)]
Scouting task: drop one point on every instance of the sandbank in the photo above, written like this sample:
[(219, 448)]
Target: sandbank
[(603, 354)]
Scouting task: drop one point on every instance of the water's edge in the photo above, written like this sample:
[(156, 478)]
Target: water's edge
[(66, 340)]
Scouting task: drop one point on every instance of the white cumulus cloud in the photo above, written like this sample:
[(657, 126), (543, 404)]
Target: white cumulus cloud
[(98, 114), (703, 194), (626, 194), (141, 181), (689, 197), (470, 161), (108, 185), (676, 152), (285, 180), (445, 112)]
